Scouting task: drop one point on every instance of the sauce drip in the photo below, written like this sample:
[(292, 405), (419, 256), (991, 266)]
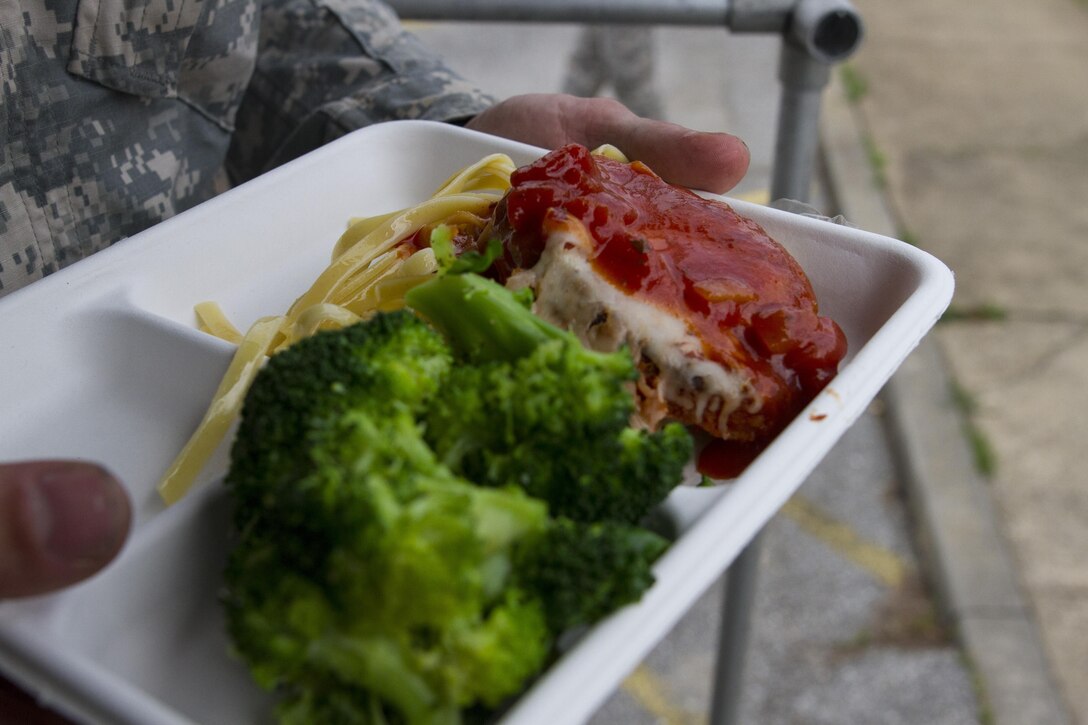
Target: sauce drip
[(721, 459), (737, 289)]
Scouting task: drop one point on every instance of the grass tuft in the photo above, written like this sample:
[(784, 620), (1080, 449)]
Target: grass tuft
[(854, 83), (982, 450), (984, 312)]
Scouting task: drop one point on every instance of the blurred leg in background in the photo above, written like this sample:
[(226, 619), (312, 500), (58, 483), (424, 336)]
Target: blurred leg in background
[(616, 58)]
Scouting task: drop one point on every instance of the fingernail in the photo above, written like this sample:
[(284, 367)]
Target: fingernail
[(81, 513)]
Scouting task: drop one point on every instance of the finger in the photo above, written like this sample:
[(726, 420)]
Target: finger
[(714, 162), (60, 522), (532, 118)]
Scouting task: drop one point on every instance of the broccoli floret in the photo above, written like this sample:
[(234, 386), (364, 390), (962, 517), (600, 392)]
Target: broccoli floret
[(485, 322), (539, 410), (583, 572), (395, 360)]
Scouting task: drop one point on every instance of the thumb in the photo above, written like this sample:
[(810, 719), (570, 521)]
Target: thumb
[(60, 522)]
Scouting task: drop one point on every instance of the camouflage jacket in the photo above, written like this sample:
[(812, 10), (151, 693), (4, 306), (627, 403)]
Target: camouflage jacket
[(115, 114)]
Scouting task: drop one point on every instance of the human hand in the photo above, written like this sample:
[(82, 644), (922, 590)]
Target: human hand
[(60, 522), (712, 162)]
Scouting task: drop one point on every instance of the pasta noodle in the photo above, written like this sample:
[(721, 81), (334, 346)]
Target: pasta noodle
[(210, 319), (223, 410)]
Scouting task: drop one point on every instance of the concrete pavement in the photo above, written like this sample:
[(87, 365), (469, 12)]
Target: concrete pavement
[(978, 116)]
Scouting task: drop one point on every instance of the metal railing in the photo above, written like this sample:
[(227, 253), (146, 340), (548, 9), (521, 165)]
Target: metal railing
[(815, 35)]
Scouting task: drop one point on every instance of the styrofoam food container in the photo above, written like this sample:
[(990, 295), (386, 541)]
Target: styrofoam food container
[(102, 361)]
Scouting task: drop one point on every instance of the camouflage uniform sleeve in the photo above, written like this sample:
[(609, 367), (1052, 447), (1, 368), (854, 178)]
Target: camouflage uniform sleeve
[(327, 67), (114, 115)]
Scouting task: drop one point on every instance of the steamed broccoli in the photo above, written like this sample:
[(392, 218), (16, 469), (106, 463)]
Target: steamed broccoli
[(583, 572), (373, 579), (393, 361), (540, 410), (367, 579)]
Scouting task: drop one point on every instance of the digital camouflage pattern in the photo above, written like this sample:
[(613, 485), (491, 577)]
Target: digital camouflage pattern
[(116, 114)]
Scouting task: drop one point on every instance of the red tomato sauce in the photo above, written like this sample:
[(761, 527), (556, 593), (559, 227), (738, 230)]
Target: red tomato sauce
[(722, 459), (740, 291)]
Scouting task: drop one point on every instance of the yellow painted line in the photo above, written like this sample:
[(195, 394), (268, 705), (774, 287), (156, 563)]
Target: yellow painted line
[(650, 693), (883, 565)]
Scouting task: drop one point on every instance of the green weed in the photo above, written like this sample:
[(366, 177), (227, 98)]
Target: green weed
[(878, 161), (854, 83), (982, 450), (983, 312)]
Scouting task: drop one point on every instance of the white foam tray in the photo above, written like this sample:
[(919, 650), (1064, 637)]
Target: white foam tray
[(101, 361)]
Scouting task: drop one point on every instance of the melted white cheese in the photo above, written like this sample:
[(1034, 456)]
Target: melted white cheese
[(571, 294)]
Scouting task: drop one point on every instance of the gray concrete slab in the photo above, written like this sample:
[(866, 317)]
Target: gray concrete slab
[(962, 538), (980, 112)]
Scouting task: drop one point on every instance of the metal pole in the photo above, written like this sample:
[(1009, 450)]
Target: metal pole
[(820, 33), (740, 589), (803, 79), (658, 12)]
